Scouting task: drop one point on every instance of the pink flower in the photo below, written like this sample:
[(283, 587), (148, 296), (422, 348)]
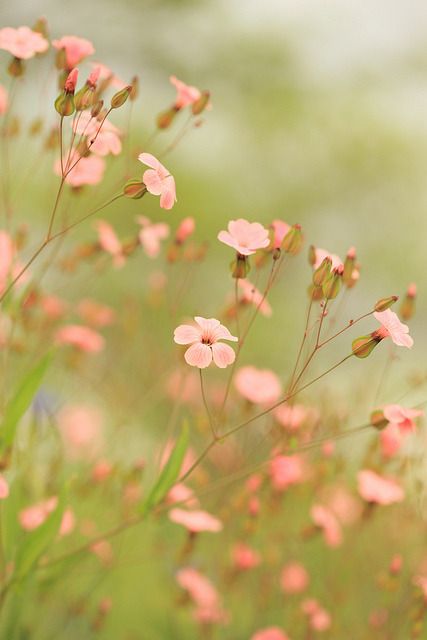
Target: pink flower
[(158, 180), (421, 581), (393, 328), (245, 237), (106, 74), (195, 521), (319, 618), (151, 235), (76, 49), (95, 314), (270, 633), (53, 306), (280, 229), (7, 251), (107, 136), (251, 295), (294, 578), (203, 594), (109, 241), (22, 43), (80, 337), (286, 471), (321, 254), (4, 100), (185, 230), (34, 516), (260, 386), (181, 493), (68, 523), (326, 520), (391, 440), (87, 170), (71, 81), (244, 557), (80, 427), (205, 345), (4, 487), (291, 416), (379, 489), (186, 94), (402, 417)]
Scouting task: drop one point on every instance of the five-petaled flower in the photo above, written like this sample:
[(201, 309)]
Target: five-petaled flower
[(393, 328), (76, 49), (205, 345), (246, 237), (158, 180), (23, 42)]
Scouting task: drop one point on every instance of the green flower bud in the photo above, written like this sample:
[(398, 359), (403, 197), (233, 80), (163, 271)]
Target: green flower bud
[(120, 97), (385, 303)]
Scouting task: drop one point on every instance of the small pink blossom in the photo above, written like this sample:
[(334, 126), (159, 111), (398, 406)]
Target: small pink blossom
[(270, 633), (321, 254), (245, 237), (251, 295), (204, 340), (4, 487), (391, 440), (80, 427), (260, 386), (181, 493), (68, 522), (110, 243), (203, 594), (158, 180), (53, 306), (185, 230), (392, 327), (76, 49), (319, 618), (244, 557), (87, 170), (186, 94), (7, 251), (286, 471), (421, 581), (106, 74), (195, 521), (4, 100), (104, 551), (326, 520), (71, 81), (23, 42), (33, 517), (379, 489), (95, 314), (402, 417), (151, 235), (105, 135), (294, 578), (80, 337), (280, 229), (292, 416)]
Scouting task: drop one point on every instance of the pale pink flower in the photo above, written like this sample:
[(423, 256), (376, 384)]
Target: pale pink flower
[(158, 180), (402, 417), (33, 517), (260, 386), (23, 42), (87, 170), (4, 487), (95, 314), (294, 578), (280, 229), (203, 594), (106, 137), (195, 521), (76, 49), (326, 520), (321, 254), (379, 489), (270, 633), (319, 618), (291, 416), (346, 507), (4, 100), (80, 337), (391, 440), (80, 427), (105, 73), (102, 470), (53, 306), (151, 235), (185, 230), (7, 251), (251, 295), (186, 94), (244, 557), (286, 471), (109, 241), (245, 237), (204, 341), (181, 493), (68, 522), (392, 327)]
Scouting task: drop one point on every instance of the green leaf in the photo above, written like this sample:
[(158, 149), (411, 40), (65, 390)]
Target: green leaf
[(21, 401), (169, 473)]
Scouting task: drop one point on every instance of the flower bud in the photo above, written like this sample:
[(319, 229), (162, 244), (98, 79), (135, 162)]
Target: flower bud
[(385, 303), (332, 284), (134, 88), (134, 189), (71, 81), (84, 97), (322, 272), (97, 108), (64, 104), (312, 255), (240, 267), (378, 420), (315, 293), (185, 230), (61, 59), (407, 308), (363, 346), (93, 77), (165, 119), (41, 27), (200, 105), (16, 68), (292, 242), (349, 265), (120, 97)]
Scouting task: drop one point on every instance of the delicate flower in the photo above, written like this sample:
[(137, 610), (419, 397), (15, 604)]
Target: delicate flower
[(22, 43), (195, 521), (260, 386), (280, 229), (321, 254), (286, 471), (80, 427), (151, 235), (106, 74), (204, 595), (109, 241), (4, 487), (186, 94), (244, 557), (205, 345), (401, 416), (319, 618), (245, 237), (292, 416), (80, 337), (251, 295), (379, 489), (181, 493), (4, 100), (393, 328), (294, 578), (158, 180), (185, 230), (270, 633), (76, 49), (53, 306), (391, 440), (95, 314), (106, 137), (326, 520), (34, 516), (87, 170)]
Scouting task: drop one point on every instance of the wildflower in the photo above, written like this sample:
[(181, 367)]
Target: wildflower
[(4, 487), (203, 594), (245, 237), (102, 140), (195, 521), (286, 471), (87, 170), (158, 180), (400, 416), (205, 345), (244, 557), (321, 254), (186, 94), (81, 337), (379, 489), (151, 235), (95, 314), (270, 633), (76, 49), (185, 230), (33, 517), (107, 76), (23, 42), (293, 416), (109, 241), (280, 230), (260, 386), (80, 427), (326, 520), (251, 295), (294, 578), (393, 328)]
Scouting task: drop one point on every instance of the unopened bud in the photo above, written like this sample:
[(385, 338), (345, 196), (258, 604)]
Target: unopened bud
[(385, 303), (83, 99), (165, 119), (64, 104), (378, 420), (185, 230), (349, 265), (41, 27), (240, 267), (407, 308), (332, 284), (292, 242), (315, 293), (322, 272), (71, 81), (120, 97), (61, 59), (312, 255), (134, 189), (16, 68), (200, 105), (93, 77), (96, 109), (134, 88), (362, 347)]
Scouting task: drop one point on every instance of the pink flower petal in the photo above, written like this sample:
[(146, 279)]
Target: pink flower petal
[(186, 334), (198, 355), (223, 355)]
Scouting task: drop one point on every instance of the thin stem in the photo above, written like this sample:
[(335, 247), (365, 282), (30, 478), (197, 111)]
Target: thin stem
[(91, 143), (54, 210), (348, 326), (236, 303), (301, 347), (208, 413)]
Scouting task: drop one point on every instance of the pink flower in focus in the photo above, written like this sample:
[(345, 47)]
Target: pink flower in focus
[(4, 100), (158, 181), (195, 521), (76, 49), (286, 471), (244, 557), (321, 254), (245, 237), (23, 42), (280, 229), (4, 487), (109, 241), (379, 489), (260, 386), (393, 328), (80, 337), (326, 520), (251, 295), (151, 235), (185, 230), (205, 345), (270, 633), (294, 578), (400, 416), (186, 94), (107, 138), (87, 170), (34, 516)]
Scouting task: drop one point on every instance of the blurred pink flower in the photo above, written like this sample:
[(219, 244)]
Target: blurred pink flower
[(321, 254), (185, 230), (181, 493), (204, 341), (280, 229), (68, 522), (7, 251), (195, 521), (4, 487), (326, 520), (4, 100), (53, 306), (109, 241), (105, 73), (107, 136), (319, 618), (270, 633), (379, 489), (400, 416), (286, 471), (76, 49), (291, 416), (245, 237), (22, 42), (393, 328), (34, 516), (151, 235), (186, 94), (104, 551), (244, 557), (203, 594), (87, 170), (81, 337), (294, 578), (95, 314), (421, 581), (391, 440), (158, 181), (251, 295), (260, 386), (80, 427)]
